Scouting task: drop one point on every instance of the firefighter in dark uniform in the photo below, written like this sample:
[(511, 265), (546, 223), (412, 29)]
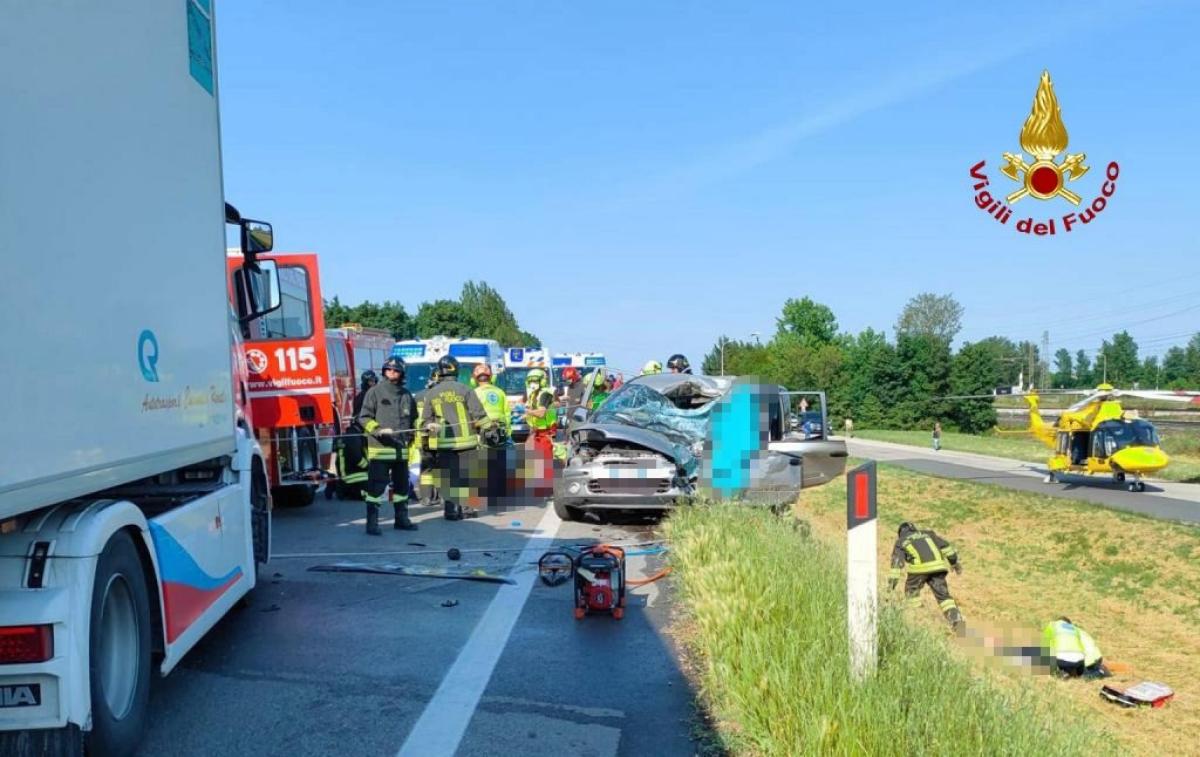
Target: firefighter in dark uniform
[(928, 557), (351, 447), (453, 417), (387, 415)]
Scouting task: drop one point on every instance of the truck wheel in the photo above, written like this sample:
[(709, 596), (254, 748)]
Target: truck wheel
[(119, 650), (299, 495), (565, 512)]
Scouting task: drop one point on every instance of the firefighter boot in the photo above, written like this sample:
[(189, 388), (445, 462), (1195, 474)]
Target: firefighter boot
[(373, 519), (451, 510), (402, 522)]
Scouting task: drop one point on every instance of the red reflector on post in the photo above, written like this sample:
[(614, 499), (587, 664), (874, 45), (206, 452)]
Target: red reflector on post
[(25, 644), (862, 496)]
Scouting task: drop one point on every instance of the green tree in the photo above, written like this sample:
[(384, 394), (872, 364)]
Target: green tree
[(809, 321), (1174, 366), (973, 372), (925, 375), (870, 381), (1120, 360), (1064, 376), (928, 314), (741, 359), (485, 307), (1192, 360), (1084, 378), (1150, 373), (445, 318), (386, 315)]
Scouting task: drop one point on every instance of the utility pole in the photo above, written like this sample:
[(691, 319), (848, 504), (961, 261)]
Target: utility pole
[(723, 341), (755, 335), (1031, 359), (1105, 356), (1044, 384)]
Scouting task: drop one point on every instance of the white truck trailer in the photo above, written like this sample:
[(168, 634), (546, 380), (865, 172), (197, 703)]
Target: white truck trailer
[(133, 503)]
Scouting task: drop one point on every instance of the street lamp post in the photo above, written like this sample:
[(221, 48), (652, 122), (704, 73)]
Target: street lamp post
[(723, 341)]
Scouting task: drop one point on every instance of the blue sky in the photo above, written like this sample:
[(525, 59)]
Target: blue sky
[(638, 178)]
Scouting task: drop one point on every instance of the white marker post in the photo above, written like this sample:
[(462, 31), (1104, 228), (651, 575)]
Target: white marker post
[(862, 570)]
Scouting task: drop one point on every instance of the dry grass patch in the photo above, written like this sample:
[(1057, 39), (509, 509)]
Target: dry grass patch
[(1132, 582)]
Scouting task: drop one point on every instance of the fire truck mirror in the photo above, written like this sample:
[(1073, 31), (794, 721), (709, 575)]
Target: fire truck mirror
[(263, 294), (257, 236)]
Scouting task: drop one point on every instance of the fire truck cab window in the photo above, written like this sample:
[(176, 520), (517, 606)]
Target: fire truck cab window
[(293, 318), (337, 357)]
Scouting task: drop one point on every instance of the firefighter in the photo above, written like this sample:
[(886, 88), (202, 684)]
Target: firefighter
[(351, 447), (368, 380), (387, 415), (929, 558), (453, 417), (651, 367), (678, 364), (541, 411)]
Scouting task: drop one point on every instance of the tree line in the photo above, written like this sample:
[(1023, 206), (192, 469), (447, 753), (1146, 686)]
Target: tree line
[(478, 312), (904, 382)]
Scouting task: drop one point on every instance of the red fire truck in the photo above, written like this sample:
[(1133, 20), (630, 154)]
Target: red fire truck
[(288, 385), (353, 349)]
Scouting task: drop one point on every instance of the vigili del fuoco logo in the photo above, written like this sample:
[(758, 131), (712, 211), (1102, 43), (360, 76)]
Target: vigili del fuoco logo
[(1044, 138)]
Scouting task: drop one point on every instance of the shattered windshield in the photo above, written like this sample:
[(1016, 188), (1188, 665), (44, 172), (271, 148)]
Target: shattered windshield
[(640, 406)]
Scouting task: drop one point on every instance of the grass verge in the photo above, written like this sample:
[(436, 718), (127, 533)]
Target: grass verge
[(1183, 448), (1133, 582), (765, 629)]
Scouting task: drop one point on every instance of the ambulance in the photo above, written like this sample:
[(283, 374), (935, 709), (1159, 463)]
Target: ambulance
[(421, 356), (583, 361), (518, 362)]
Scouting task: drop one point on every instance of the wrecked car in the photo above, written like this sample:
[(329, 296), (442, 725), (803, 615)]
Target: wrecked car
[(648, 447)]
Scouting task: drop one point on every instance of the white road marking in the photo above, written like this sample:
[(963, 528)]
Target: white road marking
[(442, 725)]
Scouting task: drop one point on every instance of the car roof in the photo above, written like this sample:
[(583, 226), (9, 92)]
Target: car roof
[(665, 382)]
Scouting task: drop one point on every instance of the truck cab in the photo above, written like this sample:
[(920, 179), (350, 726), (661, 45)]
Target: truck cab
[(289, 384)]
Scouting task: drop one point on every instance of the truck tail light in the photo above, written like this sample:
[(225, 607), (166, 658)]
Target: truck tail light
[(25, 644)]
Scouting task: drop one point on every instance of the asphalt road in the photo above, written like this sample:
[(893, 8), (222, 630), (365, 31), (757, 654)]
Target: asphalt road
[(1166, 500), (345, 663)]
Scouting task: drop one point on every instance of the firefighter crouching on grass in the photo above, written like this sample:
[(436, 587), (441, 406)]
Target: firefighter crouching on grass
[(387, 415), (541, 411), (452, 417), (929, 558)]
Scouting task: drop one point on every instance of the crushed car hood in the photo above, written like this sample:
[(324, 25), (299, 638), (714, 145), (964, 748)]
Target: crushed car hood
[(616, 432)]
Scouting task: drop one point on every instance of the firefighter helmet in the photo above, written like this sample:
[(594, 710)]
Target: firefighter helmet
[(368, 377), (905, 528), (447, 366), (679, 364), (571, 374), (393, 363)]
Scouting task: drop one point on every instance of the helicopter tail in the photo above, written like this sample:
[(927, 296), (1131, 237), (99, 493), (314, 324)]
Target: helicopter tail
[(1043, 431)]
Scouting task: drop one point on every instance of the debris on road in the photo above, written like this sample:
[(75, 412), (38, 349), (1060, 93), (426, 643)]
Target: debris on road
[(466, 574), (453, 553), (1145, 693), (450, 603)]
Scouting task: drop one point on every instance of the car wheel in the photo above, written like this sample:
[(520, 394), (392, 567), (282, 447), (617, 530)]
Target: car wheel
[(119, 650), (565, 512)]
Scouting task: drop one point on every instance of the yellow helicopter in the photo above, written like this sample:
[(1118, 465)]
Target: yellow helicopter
[(1097, 436)]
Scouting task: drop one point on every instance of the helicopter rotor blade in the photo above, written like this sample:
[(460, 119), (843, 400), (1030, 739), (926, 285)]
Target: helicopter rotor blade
[(1179, 396)]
